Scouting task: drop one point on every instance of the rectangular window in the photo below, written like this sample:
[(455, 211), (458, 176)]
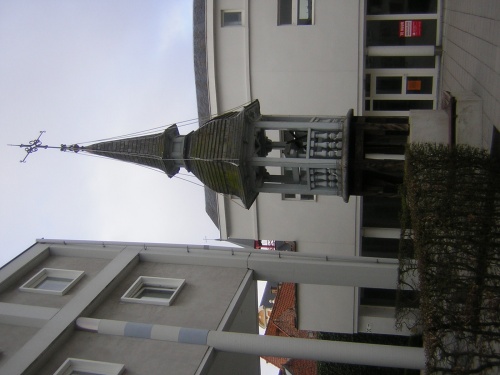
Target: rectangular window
[(400, 62), (401, 105), (388, 297), (380, 247), (386, 33), (285, 12), (298, 197), (400, 6), (52, 281), (378, 297), (368, 85), (295, 12), (381, 212), (231, 18), (389, 85), (153, 290), (83, 366)]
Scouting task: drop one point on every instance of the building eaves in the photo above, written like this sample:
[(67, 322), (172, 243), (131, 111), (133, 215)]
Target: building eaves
[(201, 86), (200, 60)]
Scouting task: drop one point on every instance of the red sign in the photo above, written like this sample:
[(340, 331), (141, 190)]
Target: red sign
[(414, 85), (410, 29)]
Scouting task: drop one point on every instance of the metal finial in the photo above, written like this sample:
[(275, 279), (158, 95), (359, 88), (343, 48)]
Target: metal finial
[(33, 146), (74, 148)]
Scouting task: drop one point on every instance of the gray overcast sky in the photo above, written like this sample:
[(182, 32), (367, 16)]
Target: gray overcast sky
[(87, 70), (84, 70)]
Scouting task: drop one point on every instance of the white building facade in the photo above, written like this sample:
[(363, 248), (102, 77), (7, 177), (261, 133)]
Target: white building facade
[(116, 308), (52, 284), (313, 58)]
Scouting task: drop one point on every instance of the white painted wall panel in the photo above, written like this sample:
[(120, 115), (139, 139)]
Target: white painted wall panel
[(326, 308)]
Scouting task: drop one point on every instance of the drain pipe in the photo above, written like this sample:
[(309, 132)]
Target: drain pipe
[(244, 343)]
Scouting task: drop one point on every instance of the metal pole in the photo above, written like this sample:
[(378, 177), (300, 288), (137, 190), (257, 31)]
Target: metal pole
[(253, 344)]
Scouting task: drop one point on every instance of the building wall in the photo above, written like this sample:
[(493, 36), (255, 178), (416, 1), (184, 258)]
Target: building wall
[(140, 356), (292, 70), (200, 304), (23, 313), (230, 56), (305, 70), (354, 55), (12, 338), (245, 320), (301, 70), (326, 308), (212, 298), (328, 228), (91, 266)]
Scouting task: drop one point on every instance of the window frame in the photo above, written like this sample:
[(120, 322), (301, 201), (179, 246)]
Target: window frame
[(298, 197), (88, 366), (231, 24), (132, 294), (294, 17), (32, 285)]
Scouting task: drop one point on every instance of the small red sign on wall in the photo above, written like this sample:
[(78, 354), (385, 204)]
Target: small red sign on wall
[(414, 85), (410, 29)]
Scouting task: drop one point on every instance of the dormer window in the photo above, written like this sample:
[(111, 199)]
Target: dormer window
[(52, 281), (153, 290)]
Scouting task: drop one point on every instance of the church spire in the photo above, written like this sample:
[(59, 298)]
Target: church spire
[(244, 153), (161, 151)]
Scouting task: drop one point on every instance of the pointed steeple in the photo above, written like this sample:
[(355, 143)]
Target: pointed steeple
[(216, 153), (233, 154), (155, 151)]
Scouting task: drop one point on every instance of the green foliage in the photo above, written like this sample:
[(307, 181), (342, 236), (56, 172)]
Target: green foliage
[(451, 223)]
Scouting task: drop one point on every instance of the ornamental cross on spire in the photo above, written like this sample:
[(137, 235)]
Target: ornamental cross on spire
[(35, 144)]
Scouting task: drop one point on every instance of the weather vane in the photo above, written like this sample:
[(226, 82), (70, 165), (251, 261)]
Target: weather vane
[(35, 144)]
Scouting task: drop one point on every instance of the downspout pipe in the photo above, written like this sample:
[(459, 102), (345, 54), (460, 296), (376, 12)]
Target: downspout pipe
[(253, 344)]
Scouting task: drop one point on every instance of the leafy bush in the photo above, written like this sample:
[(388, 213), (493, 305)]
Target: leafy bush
[(451, 221)]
